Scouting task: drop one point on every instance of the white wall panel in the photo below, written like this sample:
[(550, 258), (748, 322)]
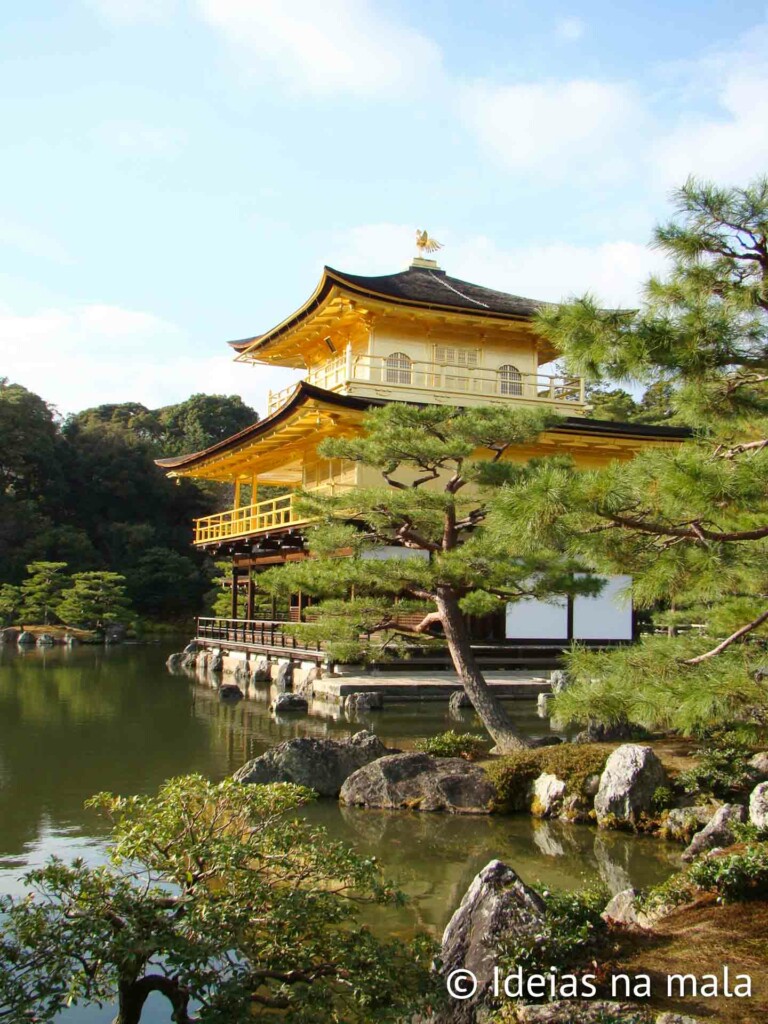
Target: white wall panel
[(607, 616), (530, 619)]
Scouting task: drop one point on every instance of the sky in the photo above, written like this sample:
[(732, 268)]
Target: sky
[(175, 173)]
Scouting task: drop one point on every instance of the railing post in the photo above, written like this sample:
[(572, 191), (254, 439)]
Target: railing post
[(348, 357)]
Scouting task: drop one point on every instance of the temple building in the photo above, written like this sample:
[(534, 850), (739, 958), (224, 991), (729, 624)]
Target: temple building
[(418, 336)]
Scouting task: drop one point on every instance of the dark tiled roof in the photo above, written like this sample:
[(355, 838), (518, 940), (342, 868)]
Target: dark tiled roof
[(435, 288), (417, 286)]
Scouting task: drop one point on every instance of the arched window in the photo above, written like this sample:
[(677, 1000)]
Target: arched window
[(398, 369), (510, 380)]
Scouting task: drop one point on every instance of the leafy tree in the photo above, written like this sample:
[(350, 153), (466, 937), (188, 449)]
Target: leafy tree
[(688, 521), (217, 894), (41, 590), (439, 467), (163, 582), (201, 421), (611, 404), (10, 603), (94, 600)]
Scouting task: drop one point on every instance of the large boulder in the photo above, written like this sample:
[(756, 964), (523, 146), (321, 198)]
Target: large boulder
[(631, 776), (322, 765), (284, 678), (46, 640), (718, 832), (597, 732), (230, 691), (371, 700), (496, 907), (548, 793), (260, 672), (420, 782), (682, 823), (758, 764), (758, 806), (291, 702), (625, 910), (26, 639)]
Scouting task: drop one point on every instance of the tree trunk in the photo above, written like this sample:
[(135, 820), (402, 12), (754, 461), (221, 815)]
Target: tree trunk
[(490, 709), (132, 995)]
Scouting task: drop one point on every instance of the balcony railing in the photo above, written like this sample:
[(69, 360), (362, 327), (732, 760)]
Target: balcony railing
[(505, 384), (250, 519)]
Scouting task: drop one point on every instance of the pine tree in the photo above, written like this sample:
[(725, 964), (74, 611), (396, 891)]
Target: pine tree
[(688, 521), (439, 468), (94, 600), (41, 590)]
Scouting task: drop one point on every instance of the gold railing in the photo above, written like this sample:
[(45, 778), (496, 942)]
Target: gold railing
[(250, 519), (449, 379)]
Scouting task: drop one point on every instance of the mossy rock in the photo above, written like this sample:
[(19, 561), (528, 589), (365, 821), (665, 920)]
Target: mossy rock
[(514, 774)]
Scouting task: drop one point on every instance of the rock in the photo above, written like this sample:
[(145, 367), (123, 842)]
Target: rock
[(230, 691), (591, 785), (631, 776), (188, 661), (215, 663), (682, 823), (284, 679), (25, 639), (759, 765), (191, 648), (242, 673), (718, 832), (545, 741), (45, 640), (369, 701), (558, 680), (260, 672), (420, 782), (542, 704), (571, 1011), (70, 640), (458, 700), (289, 702), (676, 1018), (9, 635), (174, 662), (115, 633), (548, 793), (596, 732), (758, 806), (307, 685), (624, 910), (496, 907), (322, 765)]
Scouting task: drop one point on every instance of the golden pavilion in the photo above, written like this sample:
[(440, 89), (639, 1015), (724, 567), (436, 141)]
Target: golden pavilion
[(418, 336)]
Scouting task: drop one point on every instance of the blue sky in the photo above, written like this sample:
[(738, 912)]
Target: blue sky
[(176, 172)]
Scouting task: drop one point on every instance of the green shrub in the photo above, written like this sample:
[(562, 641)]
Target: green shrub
[(723, 767), (662, 798), (453, 744), (513, 774), (741, 875), (569, 938)]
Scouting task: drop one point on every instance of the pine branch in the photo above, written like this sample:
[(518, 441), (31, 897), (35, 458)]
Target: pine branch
[(750, 626)]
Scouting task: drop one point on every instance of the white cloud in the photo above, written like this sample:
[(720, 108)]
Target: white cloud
[(131, 12), (89, 355), (731, 144), (329, 48), (557, 130), (570, 28), (32, 241), (613, 271), (137, 138)]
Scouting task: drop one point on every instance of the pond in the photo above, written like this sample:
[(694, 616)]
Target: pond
[(77, 721)]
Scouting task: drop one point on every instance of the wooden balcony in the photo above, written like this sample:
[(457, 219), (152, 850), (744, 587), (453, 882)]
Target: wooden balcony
[(431, 382), (248, 520)]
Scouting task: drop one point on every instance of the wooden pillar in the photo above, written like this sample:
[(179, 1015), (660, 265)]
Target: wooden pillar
[(233, 606), (254, 490), (237, 493), (249, 604)]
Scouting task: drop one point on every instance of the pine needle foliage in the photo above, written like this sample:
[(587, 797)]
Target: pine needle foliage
[(688, 521)]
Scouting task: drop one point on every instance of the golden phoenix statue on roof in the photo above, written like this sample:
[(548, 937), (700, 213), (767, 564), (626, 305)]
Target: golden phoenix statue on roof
[(425, 244)]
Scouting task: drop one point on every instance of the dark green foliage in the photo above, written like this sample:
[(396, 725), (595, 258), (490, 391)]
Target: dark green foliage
[(218, 894), (453, 744), (41, 590), (572, 936), (87, 492), (736, 874), (94, 600), (723, 768), (513, 774), (10, 604), (689, 522)]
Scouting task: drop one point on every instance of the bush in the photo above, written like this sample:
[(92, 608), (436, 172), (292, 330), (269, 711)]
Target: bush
[(723, 767), (736, 876), (453, 744), (513, 774), (570, 937)]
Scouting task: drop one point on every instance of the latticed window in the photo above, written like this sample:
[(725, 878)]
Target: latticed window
[(510, 380), (398, 368)]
